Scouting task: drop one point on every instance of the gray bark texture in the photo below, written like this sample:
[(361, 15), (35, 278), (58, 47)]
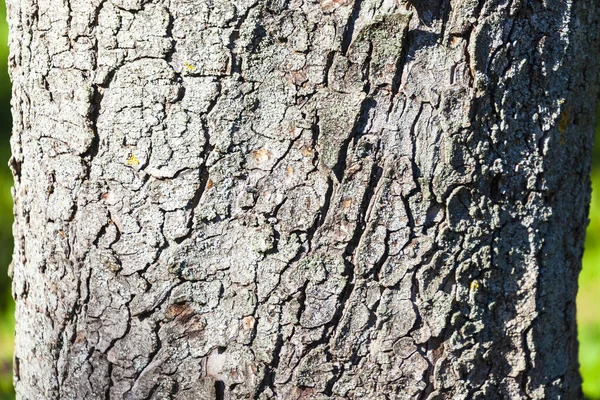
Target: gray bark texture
[(294, 199)]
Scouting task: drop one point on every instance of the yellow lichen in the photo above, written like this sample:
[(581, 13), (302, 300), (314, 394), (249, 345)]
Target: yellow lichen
[(475, 285), (189, 67), (133, 161)]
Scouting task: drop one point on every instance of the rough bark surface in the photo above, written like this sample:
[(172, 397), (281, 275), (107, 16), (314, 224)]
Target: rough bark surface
[(294, 199)]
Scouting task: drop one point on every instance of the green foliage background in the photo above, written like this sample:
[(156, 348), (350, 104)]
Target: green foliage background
[(6, 304), (588, 301)]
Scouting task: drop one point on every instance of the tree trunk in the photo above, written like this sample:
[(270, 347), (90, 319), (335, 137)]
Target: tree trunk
[(290, 199)]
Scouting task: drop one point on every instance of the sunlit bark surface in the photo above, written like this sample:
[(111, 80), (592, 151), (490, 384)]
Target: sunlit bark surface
[(293, 199)]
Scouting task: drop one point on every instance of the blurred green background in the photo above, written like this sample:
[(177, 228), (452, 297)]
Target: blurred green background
[(588, 301), (6, 304)]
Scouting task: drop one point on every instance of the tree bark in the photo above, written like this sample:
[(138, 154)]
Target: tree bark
[(290, 199)]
